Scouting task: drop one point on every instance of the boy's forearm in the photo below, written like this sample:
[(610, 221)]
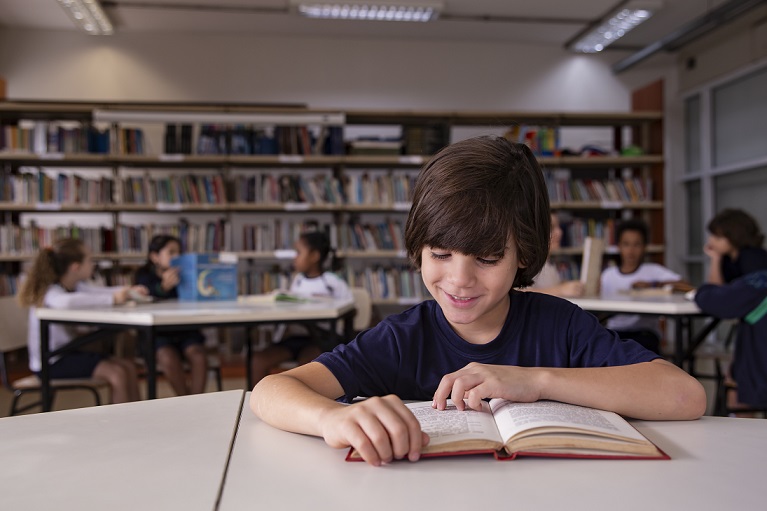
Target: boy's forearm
[(288, 404), (654, 390)]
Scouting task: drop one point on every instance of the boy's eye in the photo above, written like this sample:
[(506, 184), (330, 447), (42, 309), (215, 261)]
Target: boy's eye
[(440, 257), (488, 262)]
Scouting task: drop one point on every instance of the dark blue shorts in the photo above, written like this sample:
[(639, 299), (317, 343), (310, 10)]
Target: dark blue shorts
[(79, 364), (179, 340)]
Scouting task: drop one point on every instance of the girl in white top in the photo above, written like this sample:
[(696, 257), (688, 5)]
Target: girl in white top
[(633, 273), (312, 250), (548, 281), (57, 280)]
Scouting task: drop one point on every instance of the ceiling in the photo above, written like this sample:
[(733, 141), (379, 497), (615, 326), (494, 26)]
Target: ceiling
[(551, 22)]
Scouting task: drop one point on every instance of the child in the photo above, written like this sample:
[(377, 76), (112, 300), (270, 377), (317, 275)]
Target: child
[(312, 250), (478, 229), (633, 273), (744, 298), (734, 246), (57, 279), (548, 281), (161, 280)]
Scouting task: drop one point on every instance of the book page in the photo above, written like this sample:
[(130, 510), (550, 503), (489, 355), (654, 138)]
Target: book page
[(452, 425), (515, 419)]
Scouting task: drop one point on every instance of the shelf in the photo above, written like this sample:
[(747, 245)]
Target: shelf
[(479, 118), (606, 205), (291, 160), (610, 250)]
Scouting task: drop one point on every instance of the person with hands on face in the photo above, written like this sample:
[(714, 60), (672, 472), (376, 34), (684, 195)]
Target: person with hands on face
[(734, 246), (478, 229), (162, 279), (548, 280), (58, 279)]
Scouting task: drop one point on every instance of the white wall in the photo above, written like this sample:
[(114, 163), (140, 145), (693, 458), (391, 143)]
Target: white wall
[(341, 73)]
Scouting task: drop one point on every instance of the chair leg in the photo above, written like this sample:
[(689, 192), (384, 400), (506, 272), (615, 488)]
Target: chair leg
[(15, 401), (96, 395)]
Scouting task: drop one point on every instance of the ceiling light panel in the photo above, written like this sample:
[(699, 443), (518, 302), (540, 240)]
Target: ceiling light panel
[(88, 15), (377, 11)]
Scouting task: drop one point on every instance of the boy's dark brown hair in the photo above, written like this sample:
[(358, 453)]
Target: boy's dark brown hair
[(633, 225), (740, 228), (475, 196)]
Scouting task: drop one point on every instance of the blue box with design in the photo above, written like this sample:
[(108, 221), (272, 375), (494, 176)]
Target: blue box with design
[(206, 277)]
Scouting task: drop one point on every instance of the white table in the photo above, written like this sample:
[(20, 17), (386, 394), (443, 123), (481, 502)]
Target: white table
[(155, 318), (163, 454), (717, 464), (674, 306)]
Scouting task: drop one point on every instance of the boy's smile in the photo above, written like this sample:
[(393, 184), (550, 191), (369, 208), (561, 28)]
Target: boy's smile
[(473, 292)]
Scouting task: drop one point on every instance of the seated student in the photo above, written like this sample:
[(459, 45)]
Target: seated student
[(548, 281), (633, 273), (58, 279), (744, 298), (734, 246), (161, 279), (478, 229), (300, 343)]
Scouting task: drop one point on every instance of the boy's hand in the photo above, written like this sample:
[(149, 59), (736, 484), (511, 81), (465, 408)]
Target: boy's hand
[(379, 428), (476, 382)]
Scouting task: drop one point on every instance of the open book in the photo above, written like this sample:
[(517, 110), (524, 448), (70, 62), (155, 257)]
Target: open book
[(543, 428)]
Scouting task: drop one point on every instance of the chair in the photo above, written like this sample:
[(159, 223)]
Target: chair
[(14, 324)]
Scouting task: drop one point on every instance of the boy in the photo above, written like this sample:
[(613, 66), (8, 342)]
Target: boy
[(477, 229), (633, 273)]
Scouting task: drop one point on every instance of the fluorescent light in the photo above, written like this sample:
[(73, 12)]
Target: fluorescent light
[(613, 28), (88, 15), (377, 11)]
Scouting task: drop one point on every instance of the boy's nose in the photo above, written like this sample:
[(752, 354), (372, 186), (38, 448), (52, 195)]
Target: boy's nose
[(461, 271)]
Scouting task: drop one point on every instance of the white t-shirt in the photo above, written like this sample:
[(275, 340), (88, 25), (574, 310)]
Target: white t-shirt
[(56, 297), (328, 285), (614, 282)]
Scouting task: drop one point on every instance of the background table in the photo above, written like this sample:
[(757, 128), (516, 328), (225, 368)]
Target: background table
[(164, 454), (154, 318), (674, 306), (717, 463)]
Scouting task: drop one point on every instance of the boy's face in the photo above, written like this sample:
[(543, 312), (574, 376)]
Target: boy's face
[(472, 292), (720, 244), (631, 247)]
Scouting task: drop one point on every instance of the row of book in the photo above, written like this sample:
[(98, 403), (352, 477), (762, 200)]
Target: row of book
[(247, 139), (280, 234), (69, 137), (39, 187), (388, 282), (575, 231), (174, 189), (9, 284), (384, 235), (542, 140), (565, 189), (211, 236)]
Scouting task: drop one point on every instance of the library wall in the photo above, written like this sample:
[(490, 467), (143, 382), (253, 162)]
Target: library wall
[(332, 73)]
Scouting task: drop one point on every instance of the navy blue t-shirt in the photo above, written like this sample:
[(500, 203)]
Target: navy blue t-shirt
[(153, 282), (408, 354), (750, 259)]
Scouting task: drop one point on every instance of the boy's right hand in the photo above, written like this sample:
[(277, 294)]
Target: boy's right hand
[(379, 428)]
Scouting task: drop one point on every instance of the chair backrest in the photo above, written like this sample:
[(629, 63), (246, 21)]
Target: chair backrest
[(364, 305), (14, 324)]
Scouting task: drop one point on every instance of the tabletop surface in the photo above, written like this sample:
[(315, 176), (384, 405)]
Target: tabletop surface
[(173, 312), (164, 454), (717, 463), (671, 304)]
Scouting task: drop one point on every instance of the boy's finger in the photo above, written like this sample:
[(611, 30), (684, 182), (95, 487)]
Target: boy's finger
[(360, 441), (378, 436), (415, 437)]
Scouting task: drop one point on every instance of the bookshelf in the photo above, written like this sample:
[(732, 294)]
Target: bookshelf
[(320, 177)]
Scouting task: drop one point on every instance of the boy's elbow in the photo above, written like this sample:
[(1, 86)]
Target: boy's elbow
[(690, 400)]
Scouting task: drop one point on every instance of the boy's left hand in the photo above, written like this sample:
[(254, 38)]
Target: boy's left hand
[(476, 382)]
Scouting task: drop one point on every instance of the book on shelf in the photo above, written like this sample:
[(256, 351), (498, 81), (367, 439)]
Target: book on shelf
[(508, 430)]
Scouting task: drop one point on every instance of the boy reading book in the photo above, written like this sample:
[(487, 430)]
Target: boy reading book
[(543, 428), (478, 229)]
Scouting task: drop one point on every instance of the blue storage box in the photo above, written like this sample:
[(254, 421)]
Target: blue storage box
[(206, 277)]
